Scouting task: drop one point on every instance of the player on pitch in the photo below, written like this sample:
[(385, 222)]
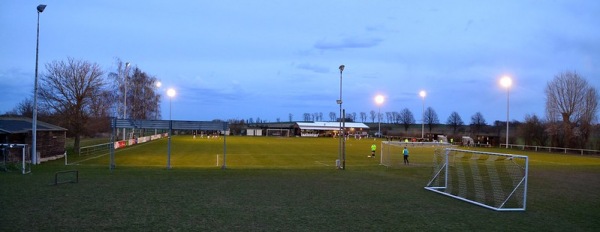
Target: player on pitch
[(405, 153), (373, 149)]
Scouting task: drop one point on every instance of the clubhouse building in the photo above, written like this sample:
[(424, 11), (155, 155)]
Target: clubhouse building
[(307, 129)]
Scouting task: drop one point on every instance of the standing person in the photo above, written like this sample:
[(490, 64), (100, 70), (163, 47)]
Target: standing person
[(405, 153), (373, 149)]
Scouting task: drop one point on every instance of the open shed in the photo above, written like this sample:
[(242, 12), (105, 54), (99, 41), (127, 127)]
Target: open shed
[(315, 129), (50, 138)]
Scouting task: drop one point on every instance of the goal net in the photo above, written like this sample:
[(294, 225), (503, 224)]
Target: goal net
[(491, 180), (278, 132), (391, 151)]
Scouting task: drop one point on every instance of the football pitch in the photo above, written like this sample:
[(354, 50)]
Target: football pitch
[(283, 184)]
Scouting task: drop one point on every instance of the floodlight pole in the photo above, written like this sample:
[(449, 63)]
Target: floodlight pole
[(506, 81), (379, 100), (423, 94), (112, 165), (341, 132), (171, 94), (158, 84), (34, 160), (507, 112), (125, 97), (379, 123)]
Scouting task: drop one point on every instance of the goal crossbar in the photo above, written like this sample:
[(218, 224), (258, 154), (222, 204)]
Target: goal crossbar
[(473, 178)]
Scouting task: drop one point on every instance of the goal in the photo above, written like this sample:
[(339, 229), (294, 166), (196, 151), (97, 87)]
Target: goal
[(391, 151), (492, 180), (278, 132), (15, 157)]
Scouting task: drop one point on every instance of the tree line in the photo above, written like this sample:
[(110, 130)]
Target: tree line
[(77, 95), (570, 118)]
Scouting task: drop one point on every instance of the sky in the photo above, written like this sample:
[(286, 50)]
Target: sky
[(268, 59)]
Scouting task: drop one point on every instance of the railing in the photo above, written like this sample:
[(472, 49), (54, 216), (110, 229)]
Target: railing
[(553, 149), (97, 149)]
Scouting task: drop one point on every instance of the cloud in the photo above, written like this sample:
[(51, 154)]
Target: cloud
[(348, 42), (313, 68)]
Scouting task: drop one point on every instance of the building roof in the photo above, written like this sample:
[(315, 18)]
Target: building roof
[(19, 125), (329, 125)]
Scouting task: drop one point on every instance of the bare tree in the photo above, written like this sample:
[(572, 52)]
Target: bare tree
[(24, 108), (388, 117), (290, 117), (306, 117), (477, 123), (571, 101), (142, 97), (69, 88), (533, 131), (348, 118), (431, 118), (363, 116), (406, 118), (332, 116), (236, 126), (454, 121), (121, 81), (395, 117), (373, 115)]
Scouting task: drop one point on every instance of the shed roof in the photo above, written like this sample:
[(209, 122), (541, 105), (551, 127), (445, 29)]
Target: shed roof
[(18, 125)]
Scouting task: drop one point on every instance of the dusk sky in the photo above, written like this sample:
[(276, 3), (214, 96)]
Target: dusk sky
[(267, 59)]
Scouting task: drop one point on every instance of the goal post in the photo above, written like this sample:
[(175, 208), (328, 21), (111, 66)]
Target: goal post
[(15, 156), (278, 132), (492, 180)]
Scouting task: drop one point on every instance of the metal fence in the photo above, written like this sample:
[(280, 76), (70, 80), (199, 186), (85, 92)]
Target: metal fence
[(552, 149), (98, 149)]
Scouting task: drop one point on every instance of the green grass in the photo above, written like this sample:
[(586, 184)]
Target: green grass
[(283, 184)]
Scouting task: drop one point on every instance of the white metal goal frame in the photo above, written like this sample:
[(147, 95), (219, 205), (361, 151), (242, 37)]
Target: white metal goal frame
[(278, 132), (25, 165), (442, 177)]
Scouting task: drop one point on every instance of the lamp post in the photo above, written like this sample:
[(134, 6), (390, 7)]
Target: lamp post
[(158, 85), (342, 117), (40, 9), (379, 100), (171, 93), (125, 96), (423, 94), (506, 82)]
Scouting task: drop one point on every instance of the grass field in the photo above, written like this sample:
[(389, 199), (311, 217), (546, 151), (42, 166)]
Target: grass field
[(283, 184)]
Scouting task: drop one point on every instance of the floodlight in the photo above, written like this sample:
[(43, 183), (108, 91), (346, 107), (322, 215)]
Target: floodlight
[(41, 7), (171, 93)]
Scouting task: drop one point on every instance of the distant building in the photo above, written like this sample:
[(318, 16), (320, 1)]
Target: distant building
[(316, 129), (50, 140), (306, 129)]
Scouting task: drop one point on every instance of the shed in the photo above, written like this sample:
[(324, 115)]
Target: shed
[(50, 140)]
